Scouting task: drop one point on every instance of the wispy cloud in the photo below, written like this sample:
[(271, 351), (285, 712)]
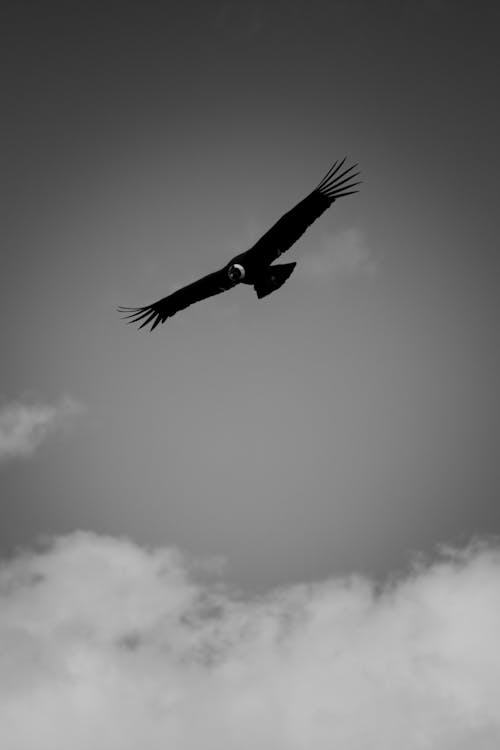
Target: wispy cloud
[(24, 426), (345, 253), (119, 647)]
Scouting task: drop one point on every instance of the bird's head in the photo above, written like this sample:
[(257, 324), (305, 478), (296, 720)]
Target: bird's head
[(236, 272)]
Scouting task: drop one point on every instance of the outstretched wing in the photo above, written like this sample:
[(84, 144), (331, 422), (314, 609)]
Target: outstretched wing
[(164, 308), (335, 184)]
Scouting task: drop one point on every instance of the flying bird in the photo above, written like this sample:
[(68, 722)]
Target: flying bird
[(255, 266)]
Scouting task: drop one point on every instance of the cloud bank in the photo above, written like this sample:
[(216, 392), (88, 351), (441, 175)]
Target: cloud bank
[(109, 646), (23, 427)]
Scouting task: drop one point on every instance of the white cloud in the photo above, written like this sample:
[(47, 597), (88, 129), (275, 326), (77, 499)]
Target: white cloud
[(344, 253), (109, 646), (24, 426)]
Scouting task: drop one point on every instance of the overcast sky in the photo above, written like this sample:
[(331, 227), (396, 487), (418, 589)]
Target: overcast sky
[(341, 426)]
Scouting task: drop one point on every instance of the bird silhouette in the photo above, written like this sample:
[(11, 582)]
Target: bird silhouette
[(254, 266)]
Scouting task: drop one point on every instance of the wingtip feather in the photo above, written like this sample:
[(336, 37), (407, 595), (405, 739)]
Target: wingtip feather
[(338, 182), (331, 172)]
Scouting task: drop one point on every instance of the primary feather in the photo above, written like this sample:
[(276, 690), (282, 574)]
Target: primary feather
[(337, 183)]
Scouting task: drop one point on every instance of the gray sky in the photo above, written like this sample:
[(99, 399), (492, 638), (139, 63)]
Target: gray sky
[(339, 427)]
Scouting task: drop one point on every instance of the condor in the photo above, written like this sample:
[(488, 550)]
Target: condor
[(255, 266)]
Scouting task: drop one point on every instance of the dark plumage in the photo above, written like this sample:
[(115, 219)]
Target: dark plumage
[(254, 265)]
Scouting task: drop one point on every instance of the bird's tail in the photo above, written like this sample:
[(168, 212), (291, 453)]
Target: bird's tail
[(272, 278)]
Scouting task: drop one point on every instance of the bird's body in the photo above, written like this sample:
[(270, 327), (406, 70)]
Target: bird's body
[(255, 265)]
